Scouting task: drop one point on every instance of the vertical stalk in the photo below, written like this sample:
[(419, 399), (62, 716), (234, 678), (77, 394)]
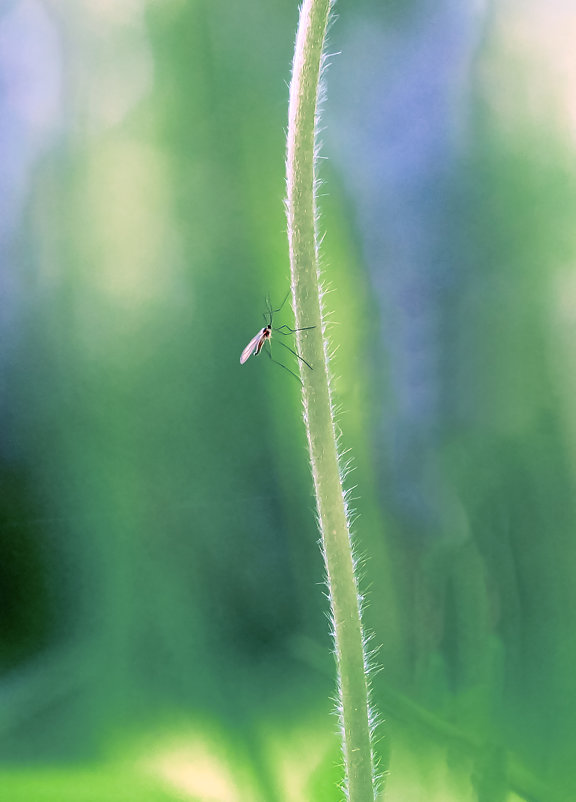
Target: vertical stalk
[(317, 402)]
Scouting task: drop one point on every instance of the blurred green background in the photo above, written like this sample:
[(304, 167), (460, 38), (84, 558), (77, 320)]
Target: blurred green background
[(163, 621)]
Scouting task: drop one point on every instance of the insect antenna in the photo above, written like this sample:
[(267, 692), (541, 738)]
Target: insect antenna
[(267, 315)]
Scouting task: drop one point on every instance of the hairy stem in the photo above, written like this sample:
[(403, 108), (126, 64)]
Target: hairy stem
[(318, 409)]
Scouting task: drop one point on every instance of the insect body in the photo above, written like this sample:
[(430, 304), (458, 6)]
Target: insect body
[(264, 336), (256, 344)]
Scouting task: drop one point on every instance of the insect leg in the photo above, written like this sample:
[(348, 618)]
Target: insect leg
[(295, 353), (269, 352), (273, 311), (291, 331)]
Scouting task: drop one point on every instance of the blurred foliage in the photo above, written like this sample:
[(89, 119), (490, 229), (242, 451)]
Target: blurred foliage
[(163, 621)]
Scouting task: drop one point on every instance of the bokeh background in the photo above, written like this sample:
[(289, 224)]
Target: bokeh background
[(163, 621)]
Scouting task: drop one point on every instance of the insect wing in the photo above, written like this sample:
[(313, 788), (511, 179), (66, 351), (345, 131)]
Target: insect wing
[(253, 347)]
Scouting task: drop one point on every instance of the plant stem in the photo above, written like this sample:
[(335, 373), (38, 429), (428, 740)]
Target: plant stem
[(317, 401)]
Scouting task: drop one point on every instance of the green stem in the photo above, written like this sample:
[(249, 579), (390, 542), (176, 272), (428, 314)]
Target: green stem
[(317, 401)]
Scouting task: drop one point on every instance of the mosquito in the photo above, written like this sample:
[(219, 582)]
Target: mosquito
[(264, 336)]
